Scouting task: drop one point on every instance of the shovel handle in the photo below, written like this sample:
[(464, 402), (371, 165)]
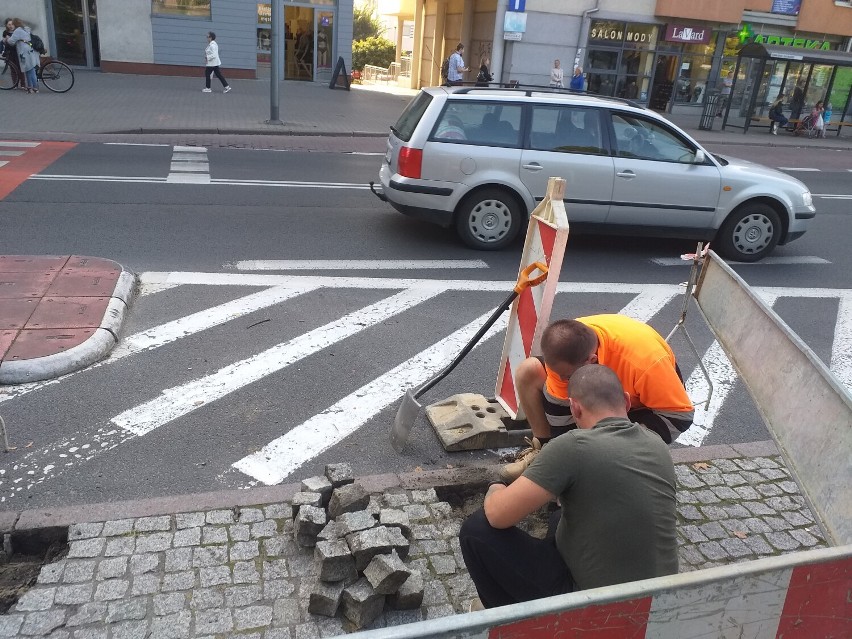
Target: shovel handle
[(524, 279)]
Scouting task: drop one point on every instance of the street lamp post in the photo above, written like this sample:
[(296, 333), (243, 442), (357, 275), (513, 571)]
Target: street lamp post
[(277, 64)]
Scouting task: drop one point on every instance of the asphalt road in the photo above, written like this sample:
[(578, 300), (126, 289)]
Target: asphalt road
[(314, 372)]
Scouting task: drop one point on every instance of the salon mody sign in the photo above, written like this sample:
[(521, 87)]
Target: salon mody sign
[(690, 35), (747, 35)]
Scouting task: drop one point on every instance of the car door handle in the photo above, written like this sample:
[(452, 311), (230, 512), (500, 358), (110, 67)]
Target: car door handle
[(626, 174), (533, 166)]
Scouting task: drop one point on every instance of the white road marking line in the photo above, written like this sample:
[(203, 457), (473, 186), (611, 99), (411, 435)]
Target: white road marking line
[(347, 265), (190, 149), (189, 165), (146, 288), (23, 145), (11, 154), (3, 163), (724, 376), (801, 259), (282, 456), (180, 400), (133, 144), (172, 331), (361, 153), (798, 168), (841, 348), (217, 182), (98, 178), (834, 197)]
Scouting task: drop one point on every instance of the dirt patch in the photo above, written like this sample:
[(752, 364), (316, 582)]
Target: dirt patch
[(30, 551)]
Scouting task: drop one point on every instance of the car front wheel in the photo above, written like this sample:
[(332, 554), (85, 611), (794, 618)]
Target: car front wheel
[(488, 219), (749, 234)]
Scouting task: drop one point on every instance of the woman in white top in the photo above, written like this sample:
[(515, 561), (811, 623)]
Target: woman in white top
[(556, 75), (212, 62)]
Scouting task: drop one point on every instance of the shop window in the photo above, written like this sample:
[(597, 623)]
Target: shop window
[(192, 8), (602, 60), (566, 130), (479, 123)]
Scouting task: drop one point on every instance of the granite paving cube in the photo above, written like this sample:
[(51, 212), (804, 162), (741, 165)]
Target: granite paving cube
[(286, 612), (339, 474), (41, 623), (51, 573), (325, 598), (440, 510), (443, 564), (321, 485), (189, 520), (84, 531), (428, 496), (394, 518), (276, 588), (354, 521), (386, 573), (692, 534), (85, 614), (111, 568), (278, 546), (168, 603), (111, 589), (245, 550), (735, 547), (154, 542), (276, 511), (86, 547), (366, 544), (214, 535), (239, 532), (305, 499), (334, 561), (361, 603), (712, 550), (127, 610), (145, 584), (78, 571), (187, 537), (140, 564), (798, 518), (153, 524), (309, 522), (347, 499), (690, 512), (436, 612), (758, 545), (204, 598), (36, 599), (396, 500), (245, 572), (398, 541), (209, 556), (252, 617), (250, 515), (213, 621), (10, 625), (330, 532), (116, 546), (130, 630), (175, 626), (410, 593), (264, 529), (275, 569), (212, 576), (782, 540), (239, 596), (221, 517)]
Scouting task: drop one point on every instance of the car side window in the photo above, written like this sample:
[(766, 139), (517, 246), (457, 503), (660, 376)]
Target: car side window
[(644, 139), (566, 130), (481, 123)]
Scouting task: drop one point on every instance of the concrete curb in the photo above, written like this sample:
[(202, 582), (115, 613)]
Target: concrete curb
[(477, 475), (98, 346)]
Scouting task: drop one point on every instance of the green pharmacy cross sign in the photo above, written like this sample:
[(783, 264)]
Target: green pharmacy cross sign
[(746, 34)]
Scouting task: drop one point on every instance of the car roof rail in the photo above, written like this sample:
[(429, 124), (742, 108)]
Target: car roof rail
[(529, 89)]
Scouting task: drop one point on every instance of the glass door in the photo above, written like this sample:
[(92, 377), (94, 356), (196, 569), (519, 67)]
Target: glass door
[(300, 43), (75, 29), (324, 38)]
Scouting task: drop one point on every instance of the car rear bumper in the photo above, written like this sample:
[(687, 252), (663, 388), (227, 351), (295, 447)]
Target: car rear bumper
[(422, 201)]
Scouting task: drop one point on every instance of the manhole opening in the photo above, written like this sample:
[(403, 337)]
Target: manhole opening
[(21, 558)]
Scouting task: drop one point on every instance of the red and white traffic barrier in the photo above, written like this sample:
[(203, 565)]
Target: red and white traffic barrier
[(547, 235)]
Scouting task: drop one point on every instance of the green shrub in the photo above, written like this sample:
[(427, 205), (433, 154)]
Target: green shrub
[(377, 51), (365, 23)]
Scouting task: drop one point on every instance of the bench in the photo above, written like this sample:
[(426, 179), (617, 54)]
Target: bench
[(831, 127)]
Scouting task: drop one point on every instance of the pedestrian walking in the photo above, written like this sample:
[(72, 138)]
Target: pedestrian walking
[(484, 76), (26, 57), (725, 87), (212, 61), (556, 75), (456, 67), (577, 81)]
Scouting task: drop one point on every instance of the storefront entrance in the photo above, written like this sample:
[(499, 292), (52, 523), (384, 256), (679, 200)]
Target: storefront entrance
[(308, 40), (75, 30)]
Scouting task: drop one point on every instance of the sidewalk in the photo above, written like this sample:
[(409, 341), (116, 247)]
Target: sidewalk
[(112, 107), (220, 564)]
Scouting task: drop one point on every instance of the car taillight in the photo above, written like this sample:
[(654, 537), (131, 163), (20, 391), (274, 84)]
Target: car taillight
[(410, 162)]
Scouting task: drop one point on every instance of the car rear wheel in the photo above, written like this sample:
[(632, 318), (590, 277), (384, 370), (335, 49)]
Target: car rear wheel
[(749, 234), (488, 219)]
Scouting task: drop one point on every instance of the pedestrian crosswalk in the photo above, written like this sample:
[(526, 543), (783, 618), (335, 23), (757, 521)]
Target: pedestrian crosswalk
[(403, 331)]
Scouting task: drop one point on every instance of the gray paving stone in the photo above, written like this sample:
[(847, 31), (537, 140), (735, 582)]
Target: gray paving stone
[(148, 562), (250, 515), (179, 558), (86, 548), (713, 479), (339, 474), (686, 497), (765, 462), (776, 523), (264, 529), (714, 512), (706, 497), (396, 500), (713, 530), (735, 547), (84, 531), (51, 573), (111, 568), (86, 633), (752, 477), (757, 525), (241, 596), (252, 617), (308, 523), (768, 490), (758, 545), (789, 487), (712, 550), (461, 587), (153, 542), (689, 479), (245, 572), (305, 499), (361, 603), (205, 556), (736, 511), (443, 564), (145, 584), (127, 610), (386, 573), (204, 598), (116, 546), (41, 623), (399, 542), (693, 534), (758, 508), (434, 593), (410, 594), (320, 484), (366, 544), (450, 529), (169, 603), (214, 535), (111, 589), (783, 503), (239, 532), (153, 524), (38, 598), (726, 465), (286, 612), (329, 532), (347, 499), (774, 473), (187, 537), (325, 598), (436, 612), (276, 588), (690, 513), (85, 614), (181, 580), (746, 492), (782, 540), (281, 633), (78, 571), (690, 555), (175, 626), (417, 513), (802, 518), (213, 576), (424, 531), (734, 526), (428, 496), (130, 630), (440, 510), (804, 538), (245, 551), (221, 517), (275, 569), (75, 594), (335, 561), (746, 464), (278, 546), (733, 479), (276, 511), (308, 630), (190, 520), (354, 521), (725, 493), (213, 621), (10, 625)]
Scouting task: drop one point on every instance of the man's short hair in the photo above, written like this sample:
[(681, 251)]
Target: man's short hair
[(459, 46), (597, 387), (568, 341)]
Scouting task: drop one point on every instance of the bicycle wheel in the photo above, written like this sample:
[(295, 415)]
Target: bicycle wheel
[(8, 76), (57, 76)]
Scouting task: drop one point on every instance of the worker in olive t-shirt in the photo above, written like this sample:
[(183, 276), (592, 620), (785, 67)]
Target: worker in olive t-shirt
[(615, 481)]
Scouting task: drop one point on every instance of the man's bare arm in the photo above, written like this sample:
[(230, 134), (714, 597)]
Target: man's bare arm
[(505, 506)]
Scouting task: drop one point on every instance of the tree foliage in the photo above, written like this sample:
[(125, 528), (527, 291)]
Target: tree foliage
[(366, 24), (374, 50)]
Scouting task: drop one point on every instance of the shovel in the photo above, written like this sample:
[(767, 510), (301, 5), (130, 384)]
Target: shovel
[(410, 407)]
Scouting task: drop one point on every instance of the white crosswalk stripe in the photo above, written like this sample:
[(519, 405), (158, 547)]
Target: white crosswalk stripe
[(299, 444)]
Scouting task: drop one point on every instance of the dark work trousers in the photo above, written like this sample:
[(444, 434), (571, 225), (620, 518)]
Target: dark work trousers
[(208, 71), (509, 566)]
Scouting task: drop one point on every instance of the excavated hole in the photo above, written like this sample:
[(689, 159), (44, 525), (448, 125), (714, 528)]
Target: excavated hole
[(31, 549)]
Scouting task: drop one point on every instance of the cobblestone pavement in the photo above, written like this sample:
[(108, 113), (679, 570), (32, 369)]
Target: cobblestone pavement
[(239, 572)]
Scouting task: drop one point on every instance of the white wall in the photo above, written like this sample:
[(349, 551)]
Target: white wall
[(32, 12), (124, 29)]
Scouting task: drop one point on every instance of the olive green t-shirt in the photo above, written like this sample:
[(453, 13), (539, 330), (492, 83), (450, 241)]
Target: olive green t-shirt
[(616, 484)]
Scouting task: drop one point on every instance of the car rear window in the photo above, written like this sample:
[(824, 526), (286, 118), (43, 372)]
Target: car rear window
[(480, 123), (404, 127)]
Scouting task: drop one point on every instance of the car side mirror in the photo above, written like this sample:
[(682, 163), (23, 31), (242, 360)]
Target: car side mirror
[(700, 158)]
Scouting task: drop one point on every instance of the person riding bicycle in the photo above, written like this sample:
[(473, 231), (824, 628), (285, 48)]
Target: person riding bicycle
[(27, 57)]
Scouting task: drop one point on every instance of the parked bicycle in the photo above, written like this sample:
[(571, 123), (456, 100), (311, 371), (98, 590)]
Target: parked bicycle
[(55, 75)]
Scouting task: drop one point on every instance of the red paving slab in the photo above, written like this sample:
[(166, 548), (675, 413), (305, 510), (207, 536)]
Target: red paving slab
[(32, 263), (25, 284), (69, 312), (14, 313), (6, 339), (84, 282), (31, 344)]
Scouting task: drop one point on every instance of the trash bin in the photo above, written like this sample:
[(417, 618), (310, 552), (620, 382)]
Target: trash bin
[(711, 106)]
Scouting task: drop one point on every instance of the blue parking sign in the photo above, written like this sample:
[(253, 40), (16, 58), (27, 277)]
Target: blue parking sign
[(517, 5)]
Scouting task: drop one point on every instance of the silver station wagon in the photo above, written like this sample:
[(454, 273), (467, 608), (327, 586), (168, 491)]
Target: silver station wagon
[(480, 159)]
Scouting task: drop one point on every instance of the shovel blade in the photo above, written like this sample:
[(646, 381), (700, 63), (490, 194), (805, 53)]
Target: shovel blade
[(407, 413)]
